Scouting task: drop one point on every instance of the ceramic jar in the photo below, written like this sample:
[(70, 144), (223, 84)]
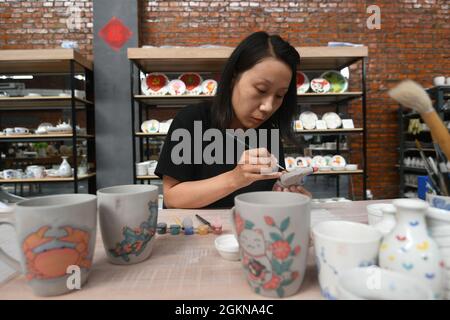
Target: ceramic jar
[(65, 170), (409, 249)]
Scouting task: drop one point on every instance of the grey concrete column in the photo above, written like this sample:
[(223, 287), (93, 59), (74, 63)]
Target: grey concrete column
[(112, 94)]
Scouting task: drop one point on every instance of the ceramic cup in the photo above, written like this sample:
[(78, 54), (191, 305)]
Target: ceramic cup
[(141, 168), (272, 229), (56, 236), (20, 130), (8, 131), (9, 174), (128, 217), (342, 245), (439, 81), (36, 171)]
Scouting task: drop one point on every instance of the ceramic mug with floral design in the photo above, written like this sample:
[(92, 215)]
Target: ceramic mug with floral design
[(56, 237), (342, 245), (128, 217), (272, 229)]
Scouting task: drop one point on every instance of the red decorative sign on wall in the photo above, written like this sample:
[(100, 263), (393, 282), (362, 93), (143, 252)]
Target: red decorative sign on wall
[(115, 33)]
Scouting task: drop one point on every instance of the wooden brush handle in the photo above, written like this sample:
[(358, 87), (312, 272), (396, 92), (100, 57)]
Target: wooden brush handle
[(438, 130)]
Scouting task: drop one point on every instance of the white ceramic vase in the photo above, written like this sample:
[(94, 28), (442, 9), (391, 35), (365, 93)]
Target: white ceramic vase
[(410, 250), (65, 170)]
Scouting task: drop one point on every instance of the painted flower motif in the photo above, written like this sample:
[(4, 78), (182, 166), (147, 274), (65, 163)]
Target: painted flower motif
[(281, 249), (269, 220), (127, 248), (273, 283), (239, 223), (138, 245), (137, 231), (297, 250)]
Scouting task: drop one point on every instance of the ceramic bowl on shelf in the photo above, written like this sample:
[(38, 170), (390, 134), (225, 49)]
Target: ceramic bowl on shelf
[(320, 85), (319, 161), (332, 120), (351, 167), (209, 87), (302, 82), (154, 83), (150, 126), (177, 87), (308, 120), (324, 168), (338, 161), (359, 284), (193, 82), (290, 163), (337, 81)]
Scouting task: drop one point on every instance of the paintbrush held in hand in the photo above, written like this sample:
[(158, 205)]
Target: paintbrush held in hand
[(411, 95)]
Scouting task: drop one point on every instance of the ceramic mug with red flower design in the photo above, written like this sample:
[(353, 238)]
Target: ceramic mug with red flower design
[(272, 229), (128, 217)]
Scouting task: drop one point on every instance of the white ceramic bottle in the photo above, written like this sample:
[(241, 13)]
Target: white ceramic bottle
[(65, 169), (410, 250)]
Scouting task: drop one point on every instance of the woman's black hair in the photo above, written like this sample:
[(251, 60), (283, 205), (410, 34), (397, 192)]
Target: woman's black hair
[(247, 54)]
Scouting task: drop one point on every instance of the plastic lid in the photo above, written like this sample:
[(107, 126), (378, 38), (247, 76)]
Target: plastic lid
[(227, 243)]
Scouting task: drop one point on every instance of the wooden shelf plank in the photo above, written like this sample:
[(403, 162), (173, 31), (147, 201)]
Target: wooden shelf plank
[(38, 102), (213, 59), (42, 61), (43, 137), (310, 98), (143, 134), (152, 177), (341, 172), (47, 179), (331, 131)]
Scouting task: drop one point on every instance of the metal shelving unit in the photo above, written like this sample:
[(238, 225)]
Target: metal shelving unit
[(178, 60), (51, 62), (438, 95)]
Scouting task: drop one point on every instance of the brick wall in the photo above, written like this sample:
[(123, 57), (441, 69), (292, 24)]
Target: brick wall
[(45, 24), (413, 42)]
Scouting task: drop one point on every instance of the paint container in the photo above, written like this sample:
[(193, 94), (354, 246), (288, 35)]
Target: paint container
[(175, 229), (203, 229), (161, 228), (188, 231), (188, 223), (216, 228)]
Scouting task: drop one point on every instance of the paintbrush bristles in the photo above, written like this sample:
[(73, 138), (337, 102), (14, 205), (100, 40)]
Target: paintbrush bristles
[(411, 95)]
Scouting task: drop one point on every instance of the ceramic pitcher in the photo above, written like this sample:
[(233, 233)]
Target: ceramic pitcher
[(410, 250)]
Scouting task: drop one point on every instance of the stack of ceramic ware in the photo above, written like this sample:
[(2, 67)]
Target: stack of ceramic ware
[(190, 83), (438, 222)]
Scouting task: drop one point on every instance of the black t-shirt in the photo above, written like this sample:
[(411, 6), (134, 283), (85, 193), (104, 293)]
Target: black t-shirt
[(192, 172)]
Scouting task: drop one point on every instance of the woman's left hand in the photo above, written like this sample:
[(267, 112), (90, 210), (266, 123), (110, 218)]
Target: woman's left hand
[(297, 189)]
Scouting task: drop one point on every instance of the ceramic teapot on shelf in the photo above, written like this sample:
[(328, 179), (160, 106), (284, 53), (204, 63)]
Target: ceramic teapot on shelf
[(410, 250)]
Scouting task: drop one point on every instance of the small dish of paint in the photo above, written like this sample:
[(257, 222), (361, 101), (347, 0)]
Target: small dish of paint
[(228, 247)]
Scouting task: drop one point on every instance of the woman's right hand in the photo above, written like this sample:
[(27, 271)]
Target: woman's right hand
[(254, 165)]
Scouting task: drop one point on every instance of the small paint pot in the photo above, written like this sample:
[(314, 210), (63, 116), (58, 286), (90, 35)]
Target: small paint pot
[(187, 222), (175, 229), (188, 231), (161, 228), (203, 230), (217, 228)]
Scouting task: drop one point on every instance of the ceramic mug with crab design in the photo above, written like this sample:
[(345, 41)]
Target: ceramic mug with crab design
[(272, 229), (56, 237)]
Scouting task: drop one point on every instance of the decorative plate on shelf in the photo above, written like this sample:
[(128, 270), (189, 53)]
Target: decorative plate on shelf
[(328, 159), (209, 87), (150, 126), (154, 84), (301, 162), (177, 87), (308, 120), (338, 161), (338, 82), (302, 82), (290, 163), (193, 82), (332, 120), (319, 161), (320, 85)]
